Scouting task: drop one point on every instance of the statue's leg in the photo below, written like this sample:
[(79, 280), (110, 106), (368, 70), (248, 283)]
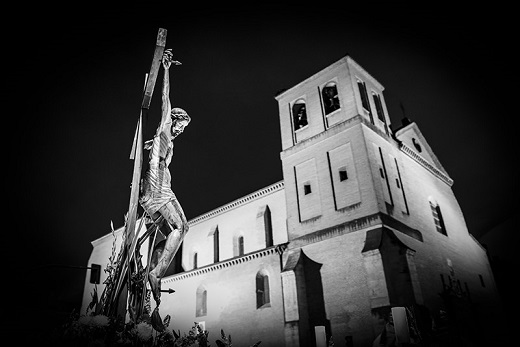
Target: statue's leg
[(176, 221)]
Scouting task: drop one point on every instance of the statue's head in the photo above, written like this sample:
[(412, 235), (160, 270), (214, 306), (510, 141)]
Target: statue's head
[(180, 120)]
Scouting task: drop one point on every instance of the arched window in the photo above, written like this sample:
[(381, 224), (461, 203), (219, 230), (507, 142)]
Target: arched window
[(299, 112), (201, 305), (437, 217), (330, 97), (195, 260), (214, 232), (262, 290), (268, 227)]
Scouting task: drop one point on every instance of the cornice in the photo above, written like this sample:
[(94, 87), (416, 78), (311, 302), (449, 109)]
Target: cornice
[(364, 223), (314, 139), (278, 249), (426, 164), (248, 198), (283, 94)]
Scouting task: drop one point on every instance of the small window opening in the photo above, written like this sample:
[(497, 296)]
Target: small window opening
[(343, 174), (95, 273), (381, 173), (437, 218), (416, 145), (397, 183), (307, 188)]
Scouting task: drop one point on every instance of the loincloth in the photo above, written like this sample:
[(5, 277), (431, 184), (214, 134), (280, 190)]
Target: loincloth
[(156, 189)]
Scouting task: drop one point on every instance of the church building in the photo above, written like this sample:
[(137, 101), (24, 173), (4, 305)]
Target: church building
[(365, 219)]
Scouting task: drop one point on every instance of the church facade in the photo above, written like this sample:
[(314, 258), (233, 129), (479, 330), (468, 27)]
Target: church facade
[(364, 220)]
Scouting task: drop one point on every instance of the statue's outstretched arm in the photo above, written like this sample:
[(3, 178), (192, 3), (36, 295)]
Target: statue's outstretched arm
[(166, 104)]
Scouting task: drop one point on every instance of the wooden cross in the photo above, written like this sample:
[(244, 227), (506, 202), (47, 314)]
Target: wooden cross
[(136, 154), (137, 147), (154, 70)]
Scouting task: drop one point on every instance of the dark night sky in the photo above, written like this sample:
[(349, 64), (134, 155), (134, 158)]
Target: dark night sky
[(78, 81)]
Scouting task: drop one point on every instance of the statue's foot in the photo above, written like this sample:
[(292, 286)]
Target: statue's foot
[(155, 285)]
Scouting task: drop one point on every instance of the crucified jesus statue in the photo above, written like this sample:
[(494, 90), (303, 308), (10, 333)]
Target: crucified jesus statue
[(157, 197)]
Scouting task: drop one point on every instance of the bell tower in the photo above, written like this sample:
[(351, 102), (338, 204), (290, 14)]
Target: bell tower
[(370, 206), (324, 156)]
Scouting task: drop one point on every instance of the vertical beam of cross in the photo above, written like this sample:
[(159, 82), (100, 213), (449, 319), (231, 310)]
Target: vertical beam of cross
[(110, 297), (137, 148)]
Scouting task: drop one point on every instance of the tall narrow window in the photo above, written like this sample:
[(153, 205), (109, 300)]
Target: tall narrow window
[(379, 107), (240, 242), (379, 110), (238, 246), (262, 289), (330, 98), (264, 224), (216, 246), (437, 217), (195, 260), (268, 225), (201, 304), (299, 112), (364, 99)]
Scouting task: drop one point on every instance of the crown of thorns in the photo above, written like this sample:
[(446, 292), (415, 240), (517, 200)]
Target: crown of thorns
[(179, 113)]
